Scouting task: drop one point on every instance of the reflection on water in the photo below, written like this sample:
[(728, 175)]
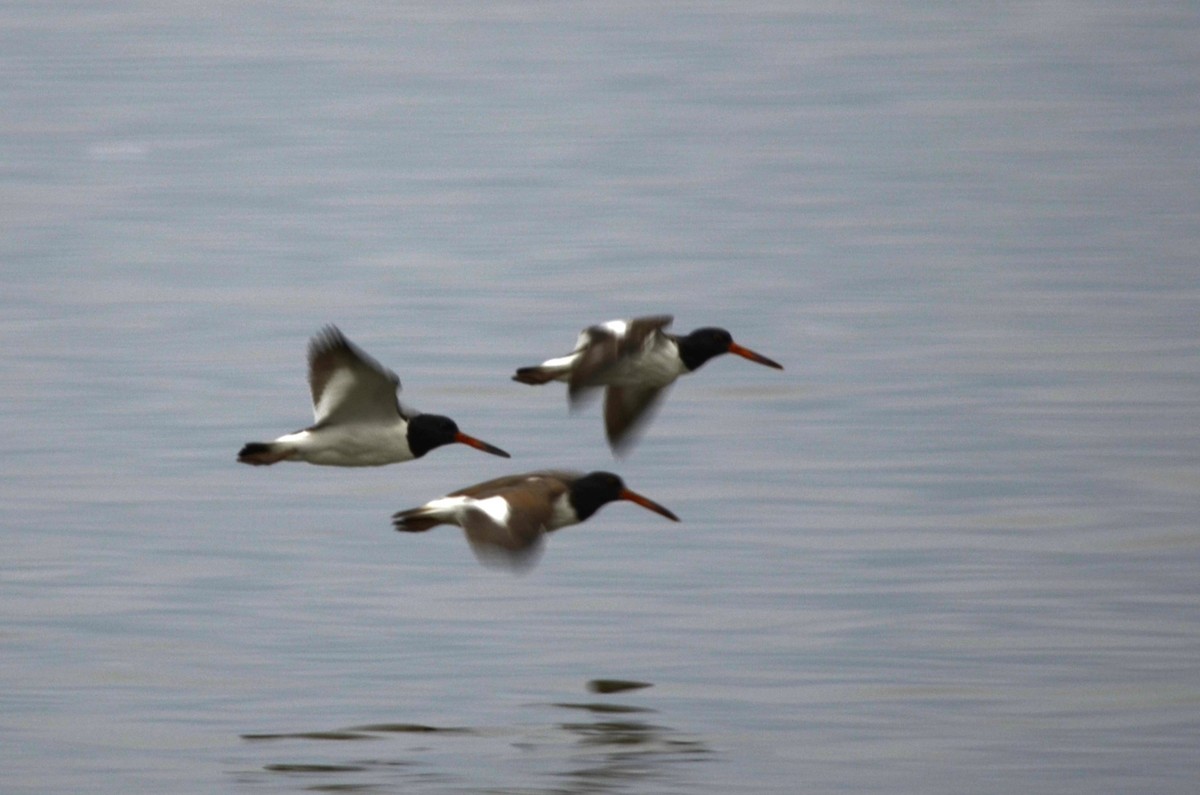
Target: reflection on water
[(354, 733), (628, 753), (598, 707), (592, 756), (615, 685)]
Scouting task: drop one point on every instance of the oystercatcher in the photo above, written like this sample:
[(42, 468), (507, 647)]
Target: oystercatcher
[(360, 422), (635, 360), (506, 519)]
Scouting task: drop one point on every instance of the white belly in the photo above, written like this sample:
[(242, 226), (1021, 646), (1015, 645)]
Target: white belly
[(351, 445), (653, 368)]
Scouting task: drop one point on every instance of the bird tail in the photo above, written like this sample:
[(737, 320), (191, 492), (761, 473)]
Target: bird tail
[(263, 453), (537, 374), (415, 520)]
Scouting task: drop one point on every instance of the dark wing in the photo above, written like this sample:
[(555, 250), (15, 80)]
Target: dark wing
[(499, 557), (552, 479), (517, 543), (642, 327), (347, 384), (600, 349), (626, 411)]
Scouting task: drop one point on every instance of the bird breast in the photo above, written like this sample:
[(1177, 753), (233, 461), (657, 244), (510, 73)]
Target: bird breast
[(656, 365)]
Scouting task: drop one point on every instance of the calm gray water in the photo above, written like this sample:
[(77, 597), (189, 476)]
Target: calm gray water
[(953, 547)]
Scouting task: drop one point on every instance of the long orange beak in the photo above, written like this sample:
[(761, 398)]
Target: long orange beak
[(478, 444), (746, 353), (633, 496)]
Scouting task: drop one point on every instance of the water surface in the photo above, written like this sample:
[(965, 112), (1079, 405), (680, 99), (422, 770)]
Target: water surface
[(951, 548)]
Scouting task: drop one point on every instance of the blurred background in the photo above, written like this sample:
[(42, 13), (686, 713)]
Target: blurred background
[(952, 547)]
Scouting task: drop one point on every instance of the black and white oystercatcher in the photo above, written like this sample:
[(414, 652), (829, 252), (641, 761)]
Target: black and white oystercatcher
[(506, 519), (635, 360), (360, 422)]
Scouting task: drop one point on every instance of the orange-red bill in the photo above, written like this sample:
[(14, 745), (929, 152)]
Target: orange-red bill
[(478, 444), (746, 353), (633, 496)]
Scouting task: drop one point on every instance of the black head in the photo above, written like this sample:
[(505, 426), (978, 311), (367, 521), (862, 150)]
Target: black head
[(427, 431), (705, 343), (596, 489)]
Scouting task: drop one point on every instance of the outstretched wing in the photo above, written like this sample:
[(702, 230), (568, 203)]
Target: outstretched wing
[(626, 411), (502, 546), (510, 516), (347, 384)]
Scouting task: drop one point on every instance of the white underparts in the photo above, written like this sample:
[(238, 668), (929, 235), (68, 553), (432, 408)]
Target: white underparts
[(351, 444)]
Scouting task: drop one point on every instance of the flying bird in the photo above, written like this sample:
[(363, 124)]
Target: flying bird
[(506, 519), (635, 360), (359, 420)]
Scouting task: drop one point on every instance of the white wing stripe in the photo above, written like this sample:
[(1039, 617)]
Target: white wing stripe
[(617, 327), (496, 508)]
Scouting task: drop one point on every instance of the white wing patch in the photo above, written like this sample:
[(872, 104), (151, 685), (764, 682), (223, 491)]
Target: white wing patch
[(617, 327), (496, 508), (453, 508), (582, 340)]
